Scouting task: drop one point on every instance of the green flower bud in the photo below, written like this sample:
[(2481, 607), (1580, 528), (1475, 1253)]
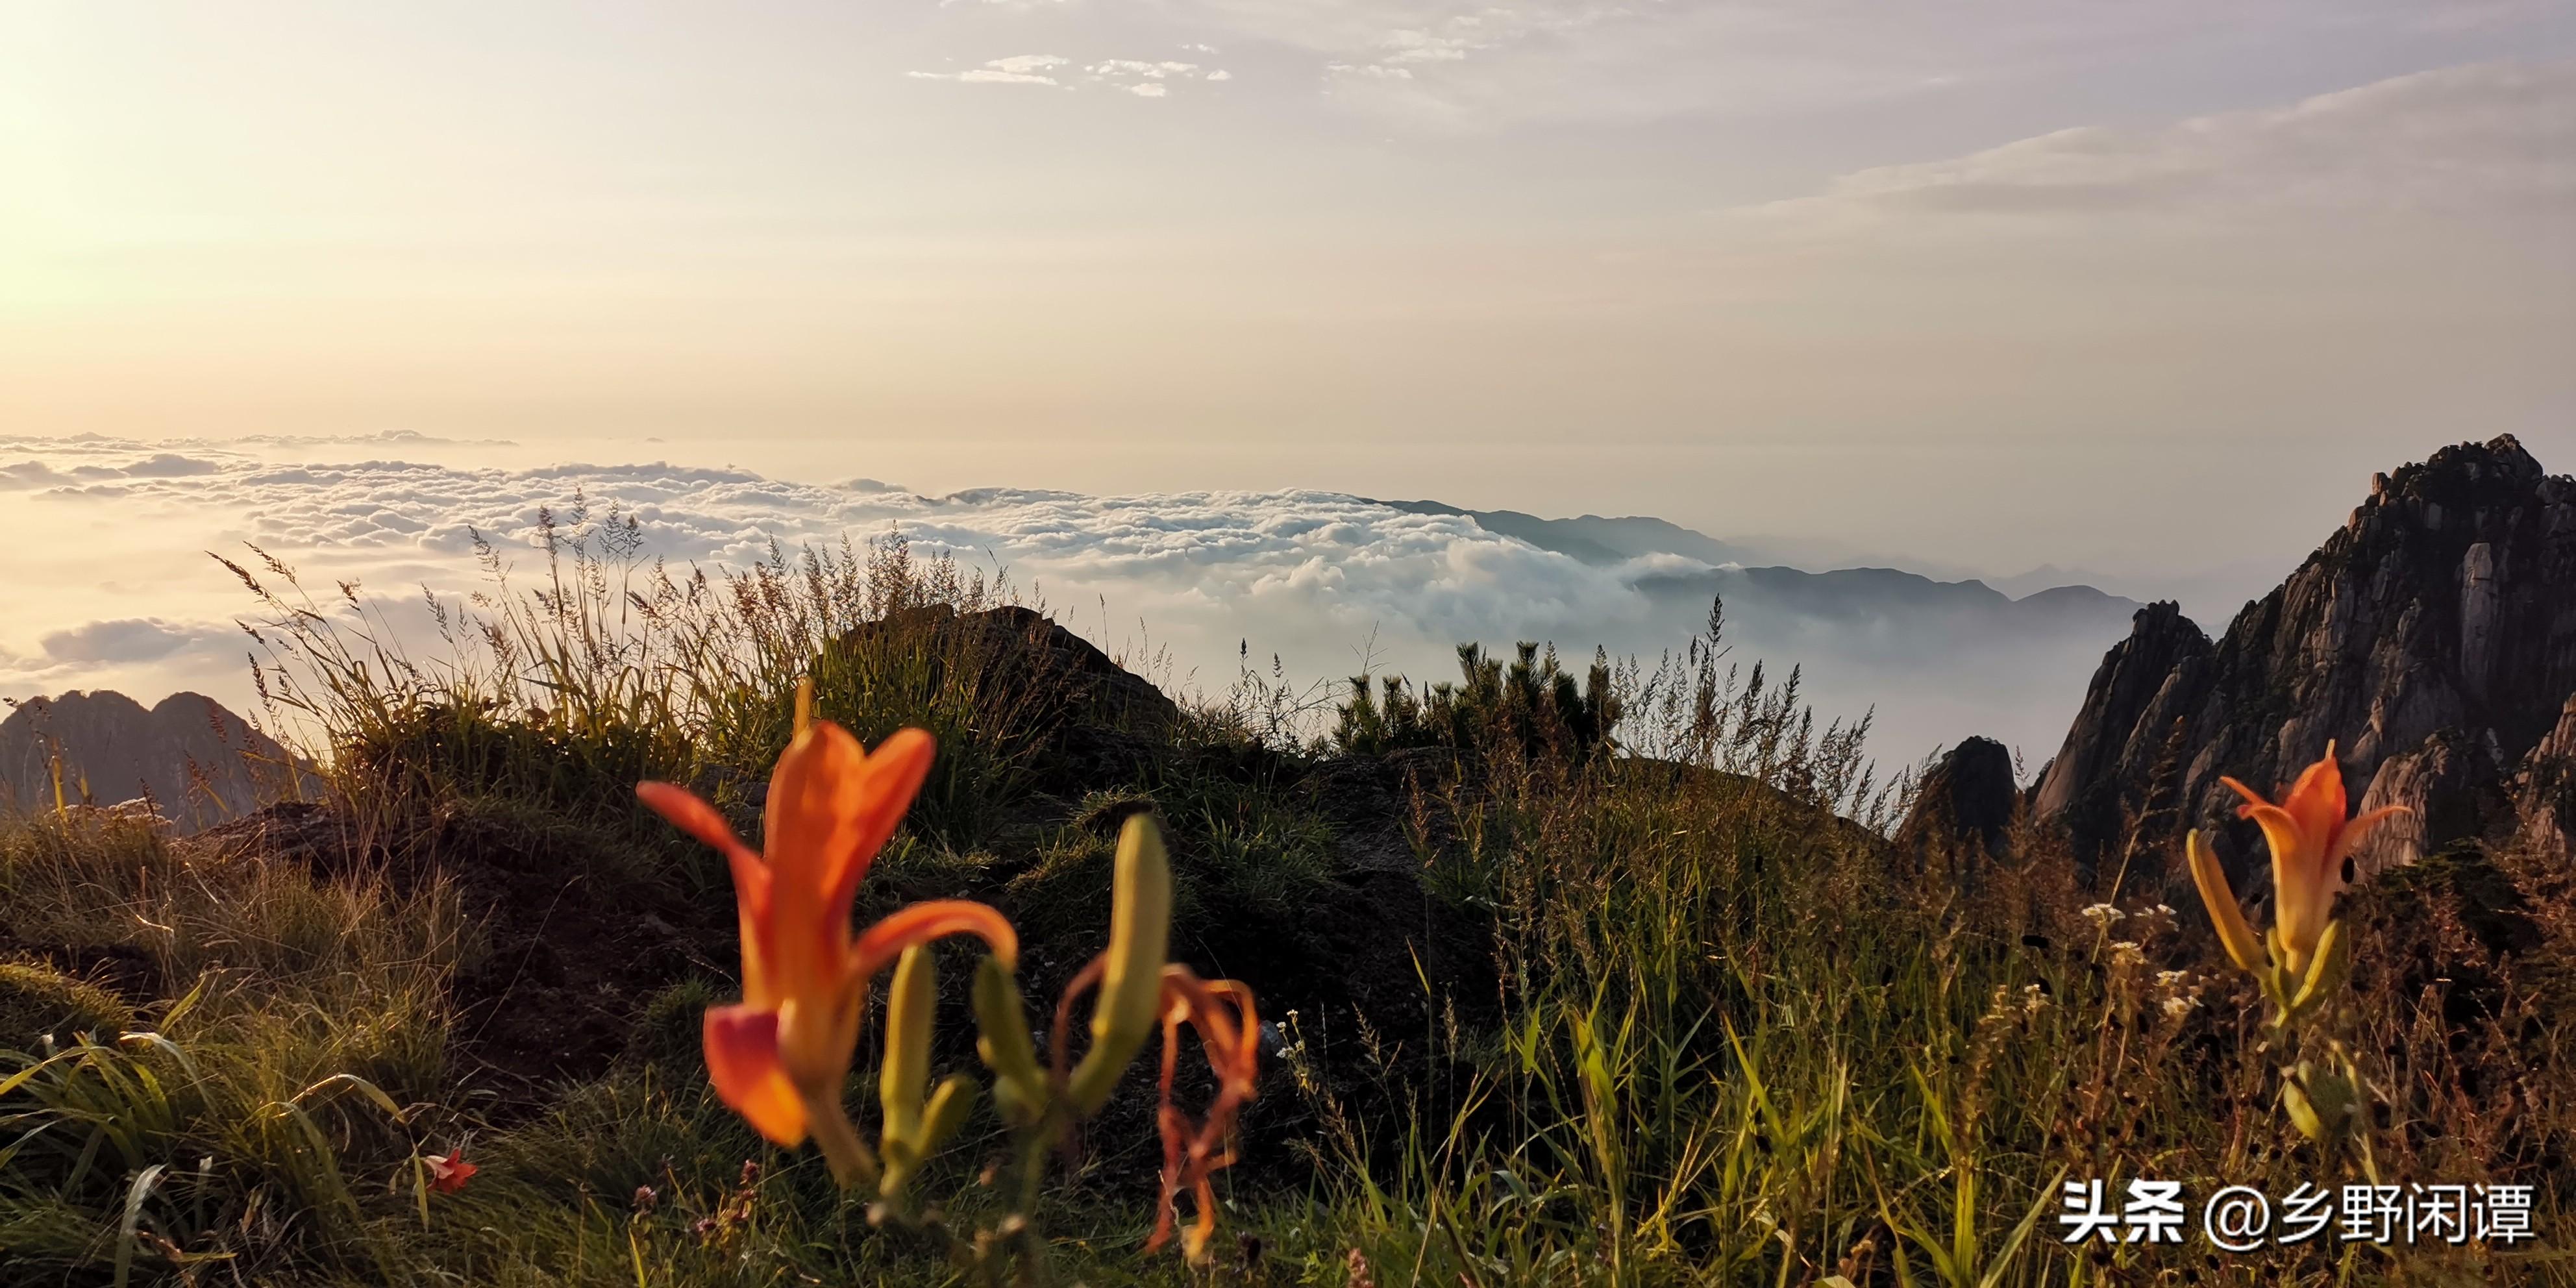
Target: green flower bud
[(1131, 983), (906, 1071), (1002, 1038), (2326, 974)]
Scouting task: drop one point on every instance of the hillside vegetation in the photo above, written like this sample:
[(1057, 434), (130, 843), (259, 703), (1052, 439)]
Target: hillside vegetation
[(1610, 979)]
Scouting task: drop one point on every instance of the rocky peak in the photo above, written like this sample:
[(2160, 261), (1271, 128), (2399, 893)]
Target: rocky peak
[(1967, 798), (195, 762), (2431, 639)]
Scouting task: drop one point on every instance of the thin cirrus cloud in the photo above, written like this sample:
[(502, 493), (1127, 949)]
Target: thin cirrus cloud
[(1144, 78), (1468, 64), (1018, 69)]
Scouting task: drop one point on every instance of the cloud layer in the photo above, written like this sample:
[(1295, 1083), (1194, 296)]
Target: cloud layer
[(1327, 581)]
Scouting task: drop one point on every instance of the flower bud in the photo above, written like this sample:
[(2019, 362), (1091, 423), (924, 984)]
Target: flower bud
[(1131, 982), (2233, 932), (1002, 1038), (949, 1106), (2325, 974), (906, 1071)]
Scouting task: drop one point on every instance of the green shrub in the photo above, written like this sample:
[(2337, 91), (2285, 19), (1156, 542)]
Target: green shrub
[(1534, 704)]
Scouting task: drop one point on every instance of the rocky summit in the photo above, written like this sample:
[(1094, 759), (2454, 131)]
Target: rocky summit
[(2431, 640), (186, 757)]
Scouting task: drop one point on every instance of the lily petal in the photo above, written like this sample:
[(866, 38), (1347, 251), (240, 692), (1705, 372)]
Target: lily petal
[(934, 919), (2353, 834), (2233, 931), (2300, 897), (889, 780), (816, 796), (742, 1061), (691, 814), (750, 876)]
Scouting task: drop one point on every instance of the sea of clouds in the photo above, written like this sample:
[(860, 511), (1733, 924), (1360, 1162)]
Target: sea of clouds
[(124, 594)]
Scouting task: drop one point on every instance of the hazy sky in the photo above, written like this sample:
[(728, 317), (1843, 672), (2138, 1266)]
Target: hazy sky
[(2002, 282)]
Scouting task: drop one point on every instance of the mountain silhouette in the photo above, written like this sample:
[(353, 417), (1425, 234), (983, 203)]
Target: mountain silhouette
[(195, 761)]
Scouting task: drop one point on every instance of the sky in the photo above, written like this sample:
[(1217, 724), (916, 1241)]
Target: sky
[(2145, 292)]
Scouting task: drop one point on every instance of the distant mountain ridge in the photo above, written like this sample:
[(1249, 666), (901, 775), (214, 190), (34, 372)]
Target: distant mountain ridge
[(1846, 594), (1598, 540), (197, 762), (1929, 659)]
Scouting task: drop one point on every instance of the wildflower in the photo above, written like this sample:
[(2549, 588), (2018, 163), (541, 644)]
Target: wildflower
[(2102, 914), (449, 1175), (2309, 838), (2179, 1005), (780, 1056)]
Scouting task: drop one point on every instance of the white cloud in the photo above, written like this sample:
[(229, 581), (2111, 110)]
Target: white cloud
[(130, 639), (1018, 69), (1315, 576), (1142, 77)]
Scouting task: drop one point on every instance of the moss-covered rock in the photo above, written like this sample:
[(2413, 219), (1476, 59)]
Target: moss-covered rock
[(38, 1001)]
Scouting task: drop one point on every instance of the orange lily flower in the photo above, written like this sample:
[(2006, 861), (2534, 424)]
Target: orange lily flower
[(449, 1175), (2309, 838), (779, 1058)]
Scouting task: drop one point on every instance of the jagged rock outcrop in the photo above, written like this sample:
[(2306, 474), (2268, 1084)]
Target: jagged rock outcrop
[(196, 762), (2544, 792), (1967, 798), (2432, 639)]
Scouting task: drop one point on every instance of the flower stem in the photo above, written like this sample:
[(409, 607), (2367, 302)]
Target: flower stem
[(853, 1163)]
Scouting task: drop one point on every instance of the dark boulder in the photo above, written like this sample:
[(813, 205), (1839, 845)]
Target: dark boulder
[(1968, 797)]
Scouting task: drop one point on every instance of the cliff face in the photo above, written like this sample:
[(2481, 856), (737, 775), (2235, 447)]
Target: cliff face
[(2432, 638), (197, 762)]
